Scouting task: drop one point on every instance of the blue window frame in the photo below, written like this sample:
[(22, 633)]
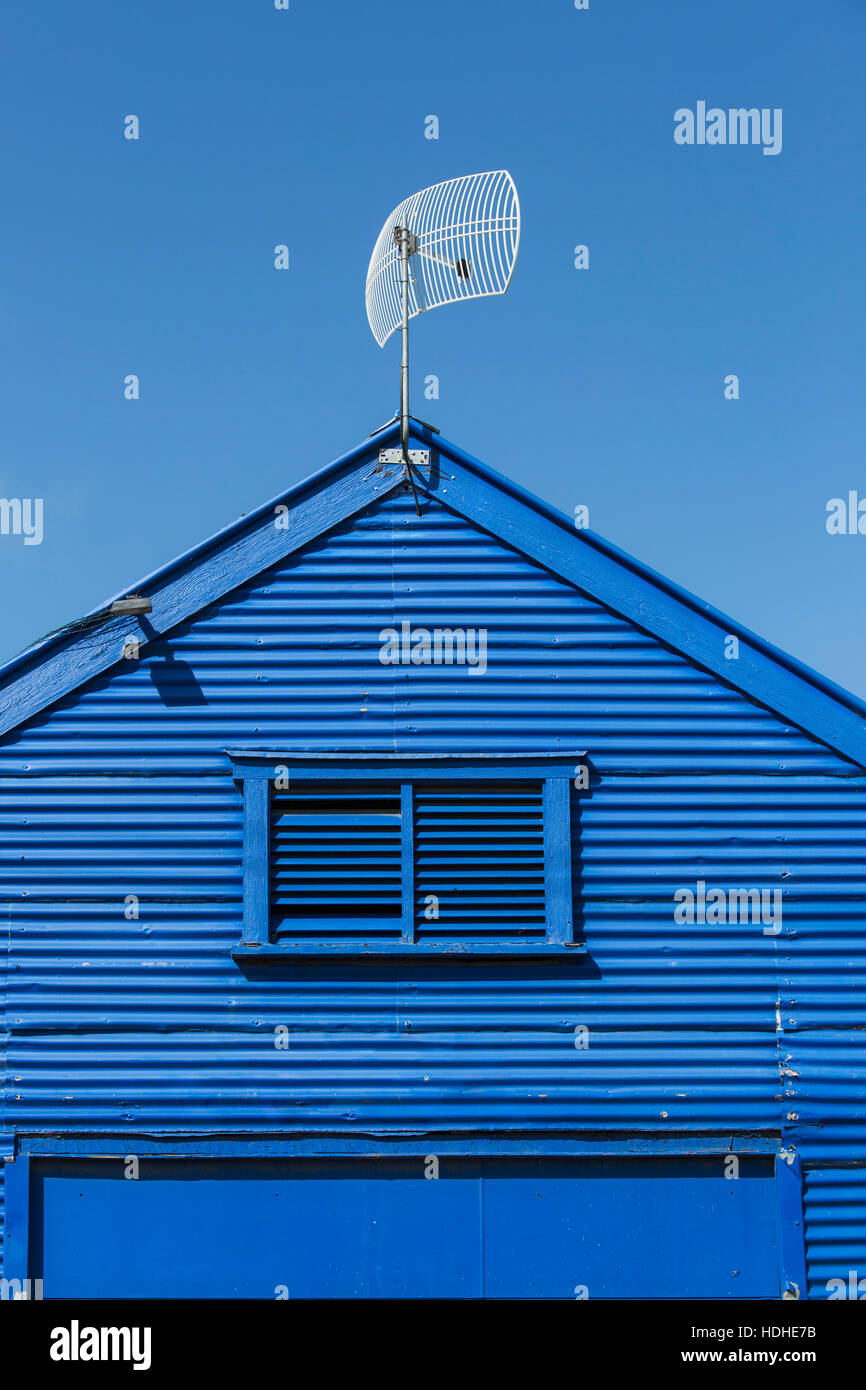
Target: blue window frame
[(393, 853)]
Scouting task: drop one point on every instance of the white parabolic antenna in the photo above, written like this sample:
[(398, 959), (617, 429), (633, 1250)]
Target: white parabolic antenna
[(456, 240), (463, 239)]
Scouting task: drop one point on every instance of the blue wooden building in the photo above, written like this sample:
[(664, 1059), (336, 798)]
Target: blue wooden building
[(436, 904)]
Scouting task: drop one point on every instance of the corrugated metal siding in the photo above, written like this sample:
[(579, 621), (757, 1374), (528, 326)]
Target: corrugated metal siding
[(123, 789), (350, 1076), (835, 1204)]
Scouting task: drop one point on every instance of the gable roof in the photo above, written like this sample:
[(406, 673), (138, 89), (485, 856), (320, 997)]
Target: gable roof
[(63, 661)]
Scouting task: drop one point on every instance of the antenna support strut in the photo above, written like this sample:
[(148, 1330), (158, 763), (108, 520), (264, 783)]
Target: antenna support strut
[(407, 243)]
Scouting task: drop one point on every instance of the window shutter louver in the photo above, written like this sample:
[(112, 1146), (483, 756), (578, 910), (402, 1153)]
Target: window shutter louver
[(479, 850), (336, 867)]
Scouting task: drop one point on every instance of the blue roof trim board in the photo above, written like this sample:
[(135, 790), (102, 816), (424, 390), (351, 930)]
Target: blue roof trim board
[(64, 661)]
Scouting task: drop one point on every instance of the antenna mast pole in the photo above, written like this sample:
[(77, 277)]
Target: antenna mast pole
[(407, 246), (404, 364)]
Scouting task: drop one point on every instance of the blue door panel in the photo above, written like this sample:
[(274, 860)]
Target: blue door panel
[(202, 1229), (373, 1228), (624, 1228)]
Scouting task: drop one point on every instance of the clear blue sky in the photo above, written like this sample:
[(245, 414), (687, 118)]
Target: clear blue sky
[(602, 387)]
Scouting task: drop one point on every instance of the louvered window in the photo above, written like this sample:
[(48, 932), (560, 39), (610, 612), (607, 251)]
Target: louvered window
[(378, 854)]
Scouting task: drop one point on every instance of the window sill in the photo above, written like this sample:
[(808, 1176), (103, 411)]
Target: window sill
[(245, 951)]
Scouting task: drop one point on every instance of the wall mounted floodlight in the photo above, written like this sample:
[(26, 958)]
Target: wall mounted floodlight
[(133, 603)]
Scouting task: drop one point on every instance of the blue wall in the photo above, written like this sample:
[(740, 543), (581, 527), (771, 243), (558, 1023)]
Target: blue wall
[(148, 1026)]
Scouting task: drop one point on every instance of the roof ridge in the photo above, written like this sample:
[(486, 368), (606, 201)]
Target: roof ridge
[(64, 660)]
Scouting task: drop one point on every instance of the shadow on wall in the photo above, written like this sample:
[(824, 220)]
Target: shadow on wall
[(175, 681)]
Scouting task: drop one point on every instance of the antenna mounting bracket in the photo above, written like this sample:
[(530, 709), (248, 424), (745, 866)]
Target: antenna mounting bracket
[(418, 458)]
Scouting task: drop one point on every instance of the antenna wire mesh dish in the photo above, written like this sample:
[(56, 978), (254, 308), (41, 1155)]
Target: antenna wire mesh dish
[(464, 239)]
